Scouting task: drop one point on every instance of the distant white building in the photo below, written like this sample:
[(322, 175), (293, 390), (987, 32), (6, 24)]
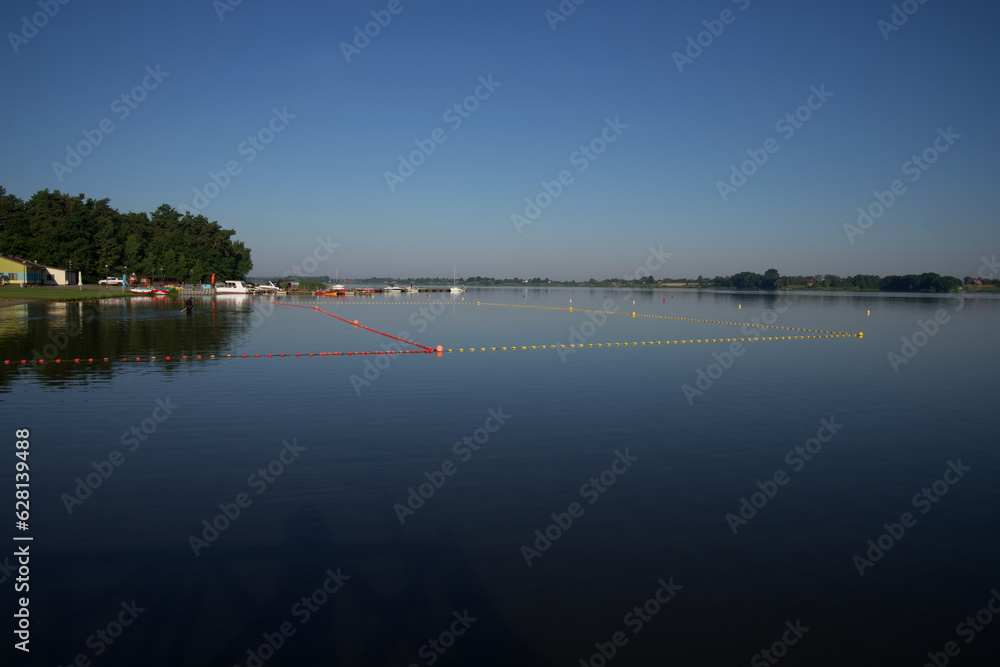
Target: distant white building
[(56, 276)]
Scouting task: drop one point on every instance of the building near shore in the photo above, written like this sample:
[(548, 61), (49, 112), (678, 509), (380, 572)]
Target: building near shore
[(57, 276), (17, 271)]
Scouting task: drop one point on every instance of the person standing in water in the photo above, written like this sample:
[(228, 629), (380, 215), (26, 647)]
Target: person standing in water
[(189, 306)]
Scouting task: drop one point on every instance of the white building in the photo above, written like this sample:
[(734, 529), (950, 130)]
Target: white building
[(57, 276)]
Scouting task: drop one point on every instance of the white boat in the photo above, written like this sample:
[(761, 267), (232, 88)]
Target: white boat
[(411, 290), (232, 287), (269, 288), (392, 289), (455, 289)]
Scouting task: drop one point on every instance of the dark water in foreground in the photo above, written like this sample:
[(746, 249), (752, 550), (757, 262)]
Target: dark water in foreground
[(822, 444)]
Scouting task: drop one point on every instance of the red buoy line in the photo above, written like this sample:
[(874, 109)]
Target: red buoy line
[(206, 357), (355, 323)]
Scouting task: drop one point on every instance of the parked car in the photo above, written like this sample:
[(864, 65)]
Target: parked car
[(110, 280)]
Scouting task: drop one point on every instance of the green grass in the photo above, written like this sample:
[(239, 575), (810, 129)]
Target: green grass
[(59, 293)]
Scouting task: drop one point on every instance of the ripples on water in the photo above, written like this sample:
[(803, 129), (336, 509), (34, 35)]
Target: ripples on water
[(374, 427)]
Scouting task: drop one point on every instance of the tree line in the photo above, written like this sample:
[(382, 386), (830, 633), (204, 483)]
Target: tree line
[(57, 229), (745, 280), (772, 280)]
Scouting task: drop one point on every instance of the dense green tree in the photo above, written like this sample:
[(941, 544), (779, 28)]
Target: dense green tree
[(57, 229)]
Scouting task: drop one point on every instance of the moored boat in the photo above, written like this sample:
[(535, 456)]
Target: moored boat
[(232, 287), (454, 288), (269, 288)]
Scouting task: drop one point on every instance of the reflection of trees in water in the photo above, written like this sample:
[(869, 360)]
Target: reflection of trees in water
[(111, 328)]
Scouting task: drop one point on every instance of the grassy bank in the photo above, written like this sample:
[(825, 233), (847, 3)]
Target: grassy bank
[(15, 292)]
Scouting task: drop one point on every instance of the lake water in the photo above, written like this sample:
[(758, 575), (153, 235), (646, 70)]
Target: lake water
[(696, 503)]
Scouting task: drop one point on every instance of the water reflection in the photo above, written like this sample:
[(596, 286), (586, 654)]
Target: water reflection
[(109, 329)]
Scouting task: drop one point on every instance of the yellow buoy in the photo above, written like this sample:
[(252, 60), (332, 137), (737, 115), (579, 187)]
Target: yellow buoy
[(739, 307), (869, 312), (861, 334)]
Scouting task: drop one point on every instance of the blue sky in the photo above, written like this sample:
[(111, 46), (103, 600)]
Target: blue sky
[(656, 184)]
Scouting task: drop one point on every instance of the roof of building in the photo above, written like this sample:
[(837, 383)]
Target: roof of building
[(27, 263)]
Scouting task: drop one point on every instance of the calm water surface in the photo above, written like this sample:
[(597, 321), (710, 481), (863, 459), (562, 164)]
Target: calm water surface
[(692, 506)]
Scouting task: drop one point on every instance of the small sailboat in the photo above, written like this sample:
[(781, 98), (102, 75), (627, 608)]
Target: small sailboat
[(454, 288)]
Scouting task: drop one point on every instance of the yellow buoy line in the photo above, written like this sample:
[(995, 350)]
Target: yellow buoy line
[(683, 319), (640, 343)]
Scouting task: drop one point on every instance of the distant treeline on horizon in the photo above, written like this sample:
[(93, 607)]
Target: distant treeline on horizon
[(745, 280)]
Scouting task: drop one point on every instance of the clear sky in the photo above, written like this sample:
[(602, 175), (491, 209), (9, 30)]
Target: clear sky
[(678, 127)]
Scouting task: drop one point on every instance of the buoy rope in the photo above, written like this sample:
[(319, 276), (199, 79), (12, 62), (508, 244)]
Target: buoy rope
[(360, 326), (652, 342), (748, 325), (200, 357), (423, 350)]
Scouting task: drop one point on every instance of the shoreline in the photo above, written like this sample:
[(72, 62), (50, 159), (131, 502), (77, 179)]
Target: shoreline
[(13, 302)]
